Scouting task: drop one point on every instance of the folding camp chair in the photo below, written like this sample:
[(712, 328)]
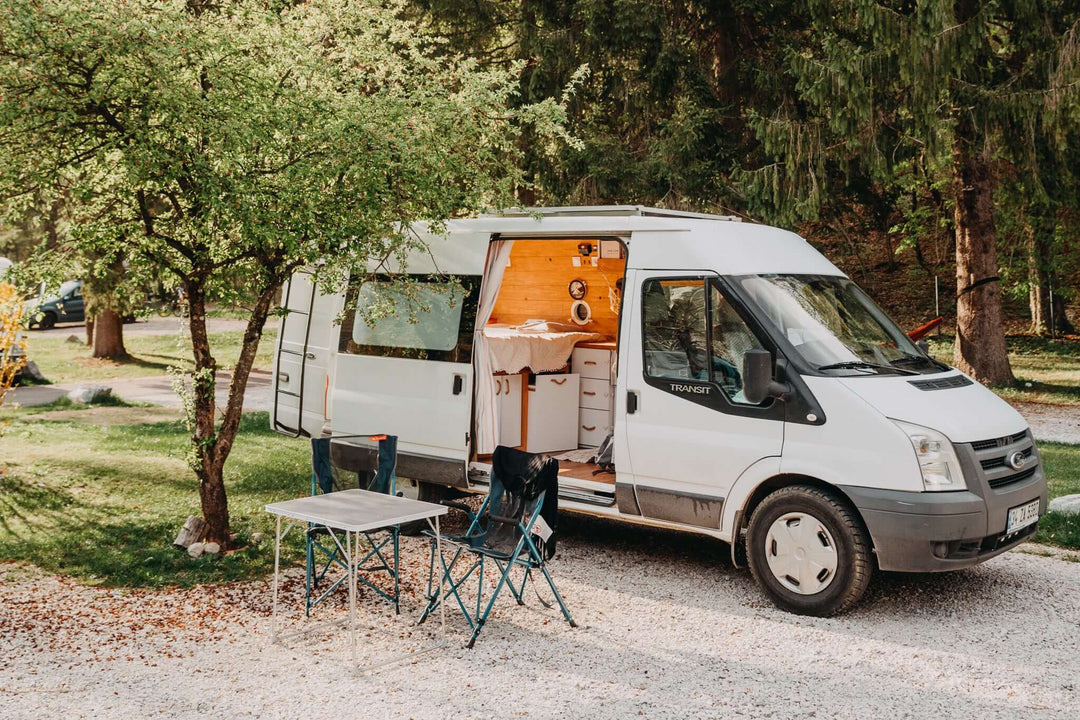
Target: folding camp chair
[(324, 549), (508, 530)]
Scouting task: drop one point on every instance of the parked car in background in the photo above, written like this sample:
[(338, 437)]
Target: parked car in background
[(66, 306)]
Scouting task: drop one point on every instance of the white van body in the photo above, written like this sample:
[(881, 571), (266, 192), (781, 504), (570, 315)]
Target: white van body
[(691, 453)]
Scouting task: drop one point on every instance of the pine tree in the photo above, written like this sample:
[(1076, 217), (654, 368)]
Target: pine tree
[(963, 84)]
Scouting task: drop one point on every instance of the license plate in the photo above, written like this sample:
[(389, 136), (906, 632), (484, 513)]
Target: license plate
[(1022, 516)]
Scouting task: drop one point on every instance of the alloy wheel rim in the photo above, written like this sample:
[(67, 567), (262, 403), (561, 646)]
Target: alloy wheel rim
[(801, 553)]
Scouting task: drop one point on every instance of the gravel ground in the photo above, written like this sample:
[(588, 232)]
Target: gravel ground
[(1052, 423), (667, 630)]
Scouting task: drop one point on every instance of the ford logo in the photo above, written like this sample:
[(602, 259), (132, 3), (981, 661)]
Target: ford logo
[(1017, 460)]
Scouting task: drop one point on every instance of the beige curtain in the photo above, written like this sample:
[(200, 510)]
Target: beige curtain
[(487, 410)]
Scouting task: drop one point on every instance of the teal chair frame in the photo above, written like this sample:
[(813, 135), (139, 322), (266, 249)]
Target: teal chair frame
[(473, 552), (384, 545)]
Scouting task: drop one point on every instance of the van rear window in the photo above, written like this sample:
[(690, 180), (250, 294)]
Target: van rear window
[(423, 318)]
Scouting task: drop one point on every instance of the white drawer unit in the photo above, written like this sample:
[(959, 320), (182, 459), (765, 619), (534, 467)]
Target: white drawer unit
[(553, 413), (593, 426), (595, 394), (596, 401), (592, 363)]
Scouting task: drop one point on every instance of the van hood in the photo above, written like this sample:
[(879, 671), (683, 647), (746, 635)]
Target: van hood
[(964, 414)]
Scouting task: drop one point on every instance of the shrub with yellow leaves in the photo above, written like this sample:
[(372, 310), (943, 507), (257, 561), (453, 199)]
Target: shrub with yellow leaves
[(12, 345)]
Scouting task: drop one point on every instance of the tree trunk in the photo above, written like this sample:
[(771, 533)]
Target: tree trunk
[(980, 336), (209, 466), (1037, 296), (213, 444), (109, 335)]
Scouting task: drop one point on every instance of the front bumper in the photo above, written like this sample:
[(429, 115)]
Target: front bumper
[(935, 532)]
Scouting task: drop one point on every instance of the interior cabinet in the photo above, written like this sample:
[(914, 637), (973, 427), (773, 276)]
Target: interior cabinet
[(553, 413), (508, 396), (597, 398)]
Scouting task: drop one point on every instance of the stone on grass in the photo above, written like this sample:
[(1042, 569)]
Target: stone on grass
[(89, 394), (1068, 504), (195, 549), (211, 548), (31, 370), (74, 339)]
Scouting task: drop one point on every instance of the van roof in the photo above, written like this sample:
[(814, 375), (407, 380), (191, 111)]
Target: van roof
[(657, 238), (608, 211)]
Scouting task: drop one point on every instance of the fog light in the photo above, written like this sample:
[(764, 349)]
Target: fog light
[(941, 549)]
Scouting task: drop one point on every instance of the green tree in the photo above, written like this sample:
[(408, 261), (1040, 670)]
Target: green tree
[(225, 146), (963, 86)]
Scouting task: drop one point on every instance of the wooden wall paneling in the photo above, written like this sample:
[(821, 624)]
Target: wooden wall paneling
[(535, 285)]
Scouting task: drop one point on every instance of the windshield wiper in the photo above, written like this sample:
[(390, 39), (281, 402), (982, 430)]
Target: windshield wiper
[(920, 359), (860, 364)]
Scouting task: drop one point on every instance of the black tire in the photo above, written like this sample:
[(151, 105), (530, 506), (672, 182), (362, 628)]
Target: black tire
[(48, 321), (426, 492), (854, 555)]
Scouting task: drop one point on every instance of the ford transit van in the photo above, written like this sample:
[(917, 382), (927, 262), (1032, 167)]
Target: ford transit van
[(745, 387)]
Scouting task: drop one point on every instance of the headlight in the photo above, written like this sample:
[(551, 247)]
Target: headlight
[(937, 460)]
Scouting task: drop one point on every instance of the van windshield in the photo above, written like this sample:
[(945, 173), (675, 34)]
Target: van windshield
[(834, 326)]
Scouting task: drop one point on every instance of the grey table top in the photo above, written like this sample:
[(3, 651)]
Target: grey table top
[(356, 510)]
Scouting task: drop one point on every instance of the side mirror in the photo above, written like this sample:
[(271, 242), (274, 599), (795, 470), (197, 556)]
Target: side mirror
[(758, 383)]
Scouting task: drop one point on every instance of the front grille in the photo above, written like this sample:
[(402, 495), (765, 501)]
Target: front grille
[(1003, 460), (998, 442), (1014, 478), (991, 459), (943, 384)]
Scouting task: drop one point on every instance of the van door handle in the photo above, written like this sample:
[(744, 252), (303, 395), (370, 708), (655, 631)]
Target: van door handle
[(459, 384), (631, 402)]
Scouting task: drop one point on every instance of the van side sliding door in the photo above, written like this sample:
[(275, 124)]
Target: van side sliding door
[(404, 367), (688, 432)]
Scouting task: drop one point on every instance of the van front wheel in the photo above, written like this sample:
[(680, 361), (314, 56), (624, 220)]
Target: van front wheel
[(809, 551)]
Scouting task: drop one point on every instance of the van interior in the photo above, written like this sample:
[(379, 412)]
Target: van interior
[(553, 334)]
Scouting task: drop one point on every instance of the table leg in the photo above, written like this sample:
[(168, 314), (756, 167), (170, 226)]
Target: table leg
[(277, 560), (442, 577), (352, 589)]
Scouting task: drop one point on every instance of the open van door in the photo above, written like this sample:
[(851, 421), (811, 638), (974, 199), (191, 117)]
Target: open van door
[(302, 358), (410, 373)]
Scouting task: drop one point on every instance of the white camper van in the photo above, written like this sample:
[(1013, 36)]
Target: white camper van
[(752, 393)]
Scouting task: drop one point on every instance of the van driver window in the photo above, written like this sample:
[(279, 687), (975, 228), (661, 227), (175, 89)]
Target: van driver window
[(422, 320), (674, 329), (689, 335), (731, 338)]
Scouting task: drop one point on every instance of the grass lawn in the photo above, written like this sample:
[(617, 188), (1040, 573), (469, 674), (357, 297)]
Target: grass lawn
[(104, 503), (61, 361), (1047, 371), (1062, 463)]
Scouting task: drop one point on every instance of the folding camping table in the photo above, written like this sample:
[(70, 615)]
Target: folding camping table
[(351, 512)]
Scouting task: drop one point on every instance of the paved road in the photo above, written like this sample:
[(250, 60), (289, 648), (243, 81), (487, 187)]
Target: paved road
[(151, 326), (156, 390)]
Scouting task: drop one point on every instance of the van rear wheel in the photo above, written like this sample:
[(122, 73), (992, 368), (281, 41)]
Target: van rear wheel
[(416, 490), (809, 551)]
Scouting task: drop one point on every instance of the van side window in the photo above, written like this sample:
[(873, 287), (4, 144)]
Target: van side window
[(730, 339), (429, 319), (674, 331)]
